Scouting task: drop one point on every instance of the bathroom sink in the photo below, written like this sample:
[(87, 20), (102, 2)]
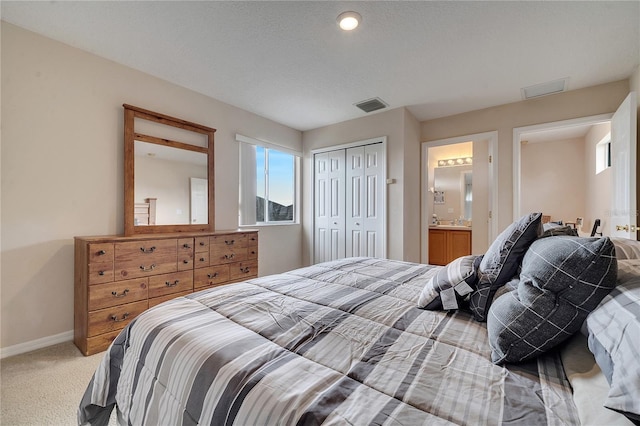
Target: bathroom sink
[(450, 226)]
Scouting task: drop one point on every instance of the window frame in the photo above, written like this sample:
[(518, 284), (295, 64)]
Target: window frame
[(267, 146), (603, 154)]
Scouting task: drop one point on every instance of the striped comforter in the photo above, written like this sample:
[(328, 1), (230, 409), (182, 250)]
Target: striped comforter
[(335, 343)]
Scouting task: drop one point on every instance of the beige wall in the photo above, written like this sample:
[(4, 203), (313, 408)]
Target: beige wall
[(586, 102), (62, 171), (403, 165), (553, 179)]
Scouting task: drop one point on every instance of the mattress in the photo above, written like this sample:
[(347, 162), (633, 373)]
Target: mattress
[(340, 342)]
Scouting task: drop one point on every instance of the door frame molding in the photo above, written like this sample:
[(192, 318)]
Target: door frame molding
[(371, 141), (492, 138), (517, 147)]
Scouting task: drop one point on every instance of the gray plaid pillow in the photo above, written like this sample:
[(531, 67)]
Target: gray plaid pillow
[(500, 263), (452, 277), (561, 281)]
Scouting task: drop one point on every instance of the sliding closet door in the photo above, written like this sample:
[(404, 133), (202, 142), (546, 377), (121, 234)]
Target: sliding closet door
[(364, 201), (329, 206)]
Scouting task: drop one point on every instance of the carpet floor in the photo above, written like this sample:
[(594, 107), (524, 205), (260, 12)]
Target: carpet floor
[(44, 387)]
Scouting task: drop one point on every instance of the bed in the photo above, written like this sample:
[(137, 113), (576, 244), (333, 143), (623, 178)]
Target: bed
[(342, 342)]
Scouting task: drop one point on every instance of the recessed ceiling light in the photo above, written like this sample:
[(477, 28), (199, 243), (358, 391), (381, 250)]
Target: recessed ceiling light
[(349, 20)]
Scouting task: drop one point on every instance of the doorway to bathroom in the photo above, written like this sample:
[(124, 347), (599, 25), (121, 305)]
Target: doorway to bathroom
[(457, 189)]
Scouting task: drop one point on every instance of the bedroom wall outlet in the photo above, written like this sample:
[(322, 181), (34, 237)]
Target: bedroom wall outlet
[(390, 181)]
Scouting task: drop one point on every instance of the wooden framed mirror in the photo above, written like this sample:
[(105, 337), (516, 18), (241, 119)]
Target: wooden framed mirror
[(168, 174)]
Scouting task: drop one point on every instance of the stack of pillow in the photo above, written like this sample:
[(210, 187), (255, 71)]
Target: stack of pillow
[(537, 286), (533, 292)]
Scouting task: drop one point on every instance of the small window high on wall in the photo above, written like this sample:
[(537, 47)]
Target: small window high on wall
[(603, 154), (269, 177)]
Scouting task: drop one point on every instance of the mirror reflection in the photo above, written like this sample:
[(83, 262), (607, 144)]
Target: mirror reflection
[(170, 185), (453, 193)]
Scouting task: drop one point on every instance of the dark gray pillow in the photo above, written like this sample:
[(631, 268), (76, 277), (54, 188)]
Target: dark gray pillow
[(500, 263), (561, 281), (554, 230)]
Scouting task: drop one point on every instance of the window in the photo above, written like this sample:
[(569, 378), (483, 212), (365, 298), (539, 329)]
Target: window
[(603, 154), (268, 183)]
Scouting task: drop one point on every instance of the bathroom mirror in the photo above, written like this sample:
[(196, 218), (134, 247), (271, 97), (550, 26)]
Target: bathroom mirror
[(169, 182), (454, 183)]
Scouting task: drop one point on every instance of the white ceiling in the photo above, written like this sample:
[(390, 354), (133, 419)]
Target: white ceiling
[(288, 61)]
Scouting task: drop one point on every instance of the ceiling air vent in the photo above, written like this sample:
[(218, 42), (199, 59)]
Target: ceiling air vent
[(371, 105), (544, 89)]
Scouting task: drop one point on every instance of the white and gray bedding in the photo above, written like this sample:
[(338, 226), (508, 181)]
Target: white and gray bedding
[(335, 343), (613, 331)]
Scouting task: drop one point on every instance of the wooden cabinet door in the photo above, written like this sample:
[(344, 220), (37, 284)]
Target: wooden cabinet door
[(459, 243), (437, 247)]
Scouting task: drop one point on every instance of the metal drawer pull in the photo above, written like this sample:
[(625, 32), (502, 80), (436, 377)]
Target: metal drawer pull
[(101, 273), (150, 268), (123, 294), (229, 256), (244, 270), (171, 284), (187, 246), (124, 317), (185, 261), (102, 253), (229, 242), (202, 243), (253, 252), (149, 250), (214, 275), (253, 238), (202, 259)]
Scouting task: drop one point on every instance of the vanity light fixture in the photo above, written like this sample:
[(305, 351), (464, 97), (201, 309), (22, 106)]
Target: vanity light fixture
[(455, 162), (349, 21)]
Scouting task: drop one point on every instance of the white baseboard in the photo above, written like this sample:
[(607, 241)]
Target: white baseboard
[(36, 344)]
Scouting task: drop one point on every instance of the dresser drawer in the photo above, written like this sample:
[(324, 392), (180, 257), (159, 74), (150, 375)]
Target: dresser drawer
[(185, 254), (101, 253), (161, 285), (224, 254), (114, 318), (243, 270), (229, 240), (210, 277), (99, 343), (100, 273), (144, 258), (201, 259), (252, 247), (252, 238), (111, 294), (201, 244)]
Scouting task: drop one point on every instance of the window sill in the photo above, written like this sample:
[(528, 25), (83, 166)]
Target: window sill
[(265, 225)]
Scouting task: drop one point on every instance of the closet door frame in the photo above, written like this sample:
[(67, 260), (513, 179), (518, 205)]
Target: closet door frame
[(381, 140)]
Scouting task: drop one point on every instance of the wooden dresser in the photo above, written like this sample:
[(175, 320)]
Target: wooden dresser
[(117, 277)]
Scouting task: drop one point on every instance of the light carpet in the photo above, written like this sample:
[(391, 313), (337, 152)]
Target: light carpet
[(44, 387)]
